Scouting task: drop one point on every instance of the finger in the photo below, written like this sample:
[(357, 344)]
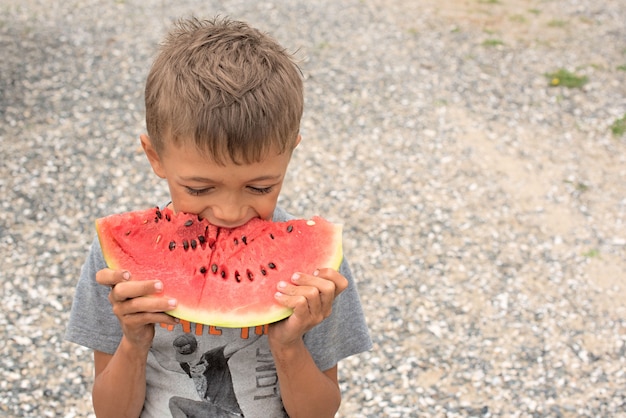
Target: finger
[(327, 289), (109, 277), (304, 300), (131, 289), (341, 283), (143, 305)]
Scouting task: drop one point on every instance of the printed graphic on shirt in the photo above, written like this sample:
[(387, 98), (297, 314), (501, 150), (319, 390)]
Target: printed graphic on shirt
[(222, 372)]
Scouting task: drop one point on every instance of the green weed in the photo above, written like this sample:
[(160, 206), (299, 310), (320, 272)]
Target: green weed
[(565, 78), (592, 253), (492, 42), (621, 67), (557, 23), (619, 126)]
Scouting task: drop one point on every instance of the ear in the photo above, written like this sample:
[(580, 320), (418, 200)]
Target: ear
[(298, 139), (153, 156)]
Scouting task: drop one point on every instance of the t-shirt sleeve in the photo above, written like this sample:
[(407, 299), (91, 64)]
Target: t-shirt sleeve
[(92, 323)]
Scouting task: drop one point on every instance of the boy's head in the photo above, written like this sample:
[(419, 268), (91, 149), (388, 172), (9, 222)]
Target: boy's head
[(226, 88)]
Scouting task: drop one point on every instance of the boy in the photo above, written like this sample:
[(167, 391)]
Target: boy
[(223, 108)]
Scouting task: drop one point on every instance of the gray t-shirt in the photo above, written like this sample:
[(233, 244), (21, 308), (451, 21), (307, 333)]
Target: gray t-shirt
[(197, 370)]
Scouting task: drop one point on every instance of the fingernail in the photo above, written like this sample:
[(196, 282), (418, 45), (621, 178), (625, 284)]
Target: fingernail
[(295, 277), (316, 272), (126, 275), (282, 285), (158, 286), (278, 295), (172, 302)]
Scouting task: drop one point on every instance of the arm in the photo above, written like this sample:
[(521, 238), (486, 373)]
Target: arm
[(120, 379), (306, 390)]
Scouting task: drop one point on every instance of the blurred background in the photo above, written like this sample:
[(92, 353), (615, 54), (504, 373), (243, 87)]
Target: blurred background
[(473, 149)]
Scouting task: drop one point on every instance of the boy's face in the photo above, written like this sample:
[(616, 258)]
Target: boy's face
[(226, 196)]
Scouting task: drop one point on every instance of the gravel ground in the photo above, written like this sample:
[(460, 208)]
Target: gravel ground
[(484, 210)]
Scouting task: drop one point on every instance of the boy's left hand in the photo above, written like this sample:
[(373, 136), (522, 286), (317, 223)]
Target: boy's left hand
[(311, 297)]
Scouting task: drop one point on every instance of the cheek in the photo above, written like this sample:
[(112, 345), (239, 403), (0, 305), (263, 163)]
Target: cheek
[(265, 209)]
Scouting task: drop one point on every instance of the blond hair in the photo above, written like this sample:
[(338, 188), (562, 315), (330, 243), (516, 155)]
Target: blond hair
[(227, 87)]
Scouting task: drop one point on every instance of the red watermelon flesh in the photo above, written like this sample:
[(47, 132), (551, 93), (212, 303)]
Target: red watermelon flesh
[(219, 276)]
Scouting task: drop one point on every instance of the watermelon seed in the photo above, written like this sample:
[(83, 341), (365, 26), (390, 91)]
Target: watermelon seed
[(172, 245), (223, 274), (185, 244), (167, 217), (158, 238), (189, 222), (156, 219), (214, 268), (237, 276), (203, 270), (127, 233), (194, 244), (250, 275), (145, 221), (271, 236), (201, 239), (290, 228), (263, 271), (244, 240), (159, 214), (199, 218), (236, 241), (272, 265)]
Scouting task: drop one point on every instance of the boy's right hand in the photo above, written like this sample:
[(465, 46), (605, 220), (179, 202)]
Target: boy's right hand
[(137, 314)]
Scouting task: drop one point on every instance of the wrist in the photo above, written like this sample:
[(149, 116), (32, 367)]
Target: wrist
[(282, 350), (130, 350)]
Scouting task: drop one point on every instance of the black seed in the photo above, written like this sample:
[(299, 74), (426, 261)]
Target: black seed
[(263, 272), (194, 244), (214, 268), (272, 236), (250, 275), (185, 244), (199, 218), (167, 217), (203, 270), (237, 276), (244, 240), (290, 228), (201, 239), (172, 245), (189, 223), (156, 219), (271, 265), (236, 242), (223, 274), (128, 233), (159, 214)]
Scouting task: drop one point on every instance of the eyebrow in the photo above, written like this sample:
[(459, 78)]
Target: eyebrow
[(208, 180)]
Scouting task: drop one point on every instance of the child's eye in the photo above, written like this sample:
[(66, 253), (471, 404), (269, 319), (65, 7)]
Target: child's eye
[(260, 190), (197, 192)]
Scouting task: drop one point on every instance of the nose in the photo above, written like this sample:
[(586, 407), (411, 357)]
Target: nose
[(229, 214)]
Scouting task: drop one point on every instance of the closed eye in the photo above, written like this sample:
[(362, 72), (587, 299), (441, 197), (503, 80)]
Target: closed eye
[(260, 190), (198, 192)]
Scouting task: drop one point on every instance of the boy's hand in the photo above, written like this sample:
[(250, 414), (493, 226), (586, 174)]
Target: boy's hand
[(311, 297), (137, 314)]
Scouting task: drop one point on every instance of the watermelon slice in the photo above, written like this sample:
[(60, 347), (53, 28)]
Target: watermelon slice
[(221, 277)]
